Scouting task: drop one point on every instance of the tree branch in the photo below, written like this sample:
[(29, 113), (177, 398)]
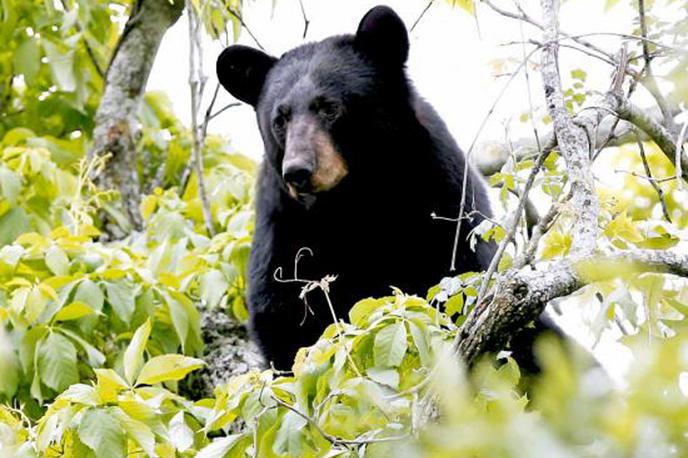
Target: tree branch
[(521, 295), (573, 143), (656, 131)]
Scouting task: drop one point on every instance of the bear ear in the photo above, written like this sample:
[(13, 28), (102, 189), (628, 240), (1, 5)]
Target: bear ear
[(382, 35), (242, 71)]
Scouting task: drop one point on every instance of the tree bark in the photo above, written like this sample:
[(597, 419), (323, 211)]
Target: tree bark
[(116, 128), (228, 352), (521, 295)]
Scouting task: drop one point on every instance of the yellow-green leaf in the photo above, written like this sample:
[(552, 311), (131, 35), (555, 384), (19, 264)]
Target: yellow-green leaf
[(166, 368), (133, 355), (73, 311)]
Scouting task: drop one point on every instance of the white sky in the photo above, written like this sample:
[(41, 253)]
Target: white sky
[(451, 58), (451, 62)]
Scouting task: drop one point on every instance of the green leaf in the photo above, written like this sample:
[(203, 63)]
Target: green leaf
[(73, 311), (57, 362), (180, 319), (362, 310), (9, 367), (121, 298), (579, 74), (138, 431), (81, 394), (103, 434), (220, 447), (109, 384), (27, 59), (388, 377), (89, 293), (289, 439), (390, 345), (186, 321), (13, 223), (57, 261), (421, 342), (95, 357), (454, 304), (167, 368), (133, 355), (62, 65), (556, 244), (10, 184)]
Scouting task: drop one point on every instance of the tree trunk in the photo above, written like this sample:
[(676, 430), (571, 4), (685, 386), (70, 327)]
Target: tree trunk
[(116, 127)]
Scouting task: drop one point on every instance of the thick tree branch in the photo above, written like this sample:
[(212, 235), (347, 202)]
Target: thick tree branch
[(521, 295), (116, 128), (573, 143)]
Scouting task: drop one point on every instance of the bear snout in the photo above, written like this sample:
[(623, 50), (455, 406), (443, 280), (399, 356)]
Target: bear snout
[(297, 174)]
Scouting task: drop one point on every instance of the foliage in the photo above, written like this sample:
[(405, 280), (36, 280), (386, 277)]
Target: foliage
[(95, 335)]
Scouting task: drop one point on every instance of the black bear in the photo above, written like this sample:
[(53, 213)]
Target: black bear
[(356, 164)]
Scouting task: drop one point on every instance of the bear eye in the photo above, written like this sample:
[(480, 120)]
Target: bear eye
[(280, 121), (329, 110)]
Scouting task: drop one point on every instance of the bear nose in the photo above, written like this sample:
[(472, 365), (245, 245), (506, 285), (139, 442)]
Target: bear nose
[(298, 175)]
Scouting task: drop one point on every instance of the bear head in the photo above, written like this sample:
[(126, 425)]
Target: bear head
[(324, 108)]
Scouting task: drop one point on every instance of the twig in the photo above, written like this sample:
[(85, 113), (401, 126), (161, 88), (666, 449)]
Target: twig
[(653, 183), (526, 18), (513, 226), (306, 21), (649, 81), (462, 206), (197, 85), (678, 161), (539, 230), (240, 18), (628, 36), (89, 50), (645, 177), (422, 13), (223, 109), (329, 437), (324, 285)]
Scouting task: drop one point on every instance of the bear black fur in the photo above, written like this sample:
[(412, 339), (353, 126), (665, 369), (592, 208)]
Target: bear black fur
[(373, 228)]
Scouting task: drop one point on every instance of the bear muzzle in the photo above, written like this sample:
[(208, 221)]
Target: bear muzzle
[(311, 161)]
